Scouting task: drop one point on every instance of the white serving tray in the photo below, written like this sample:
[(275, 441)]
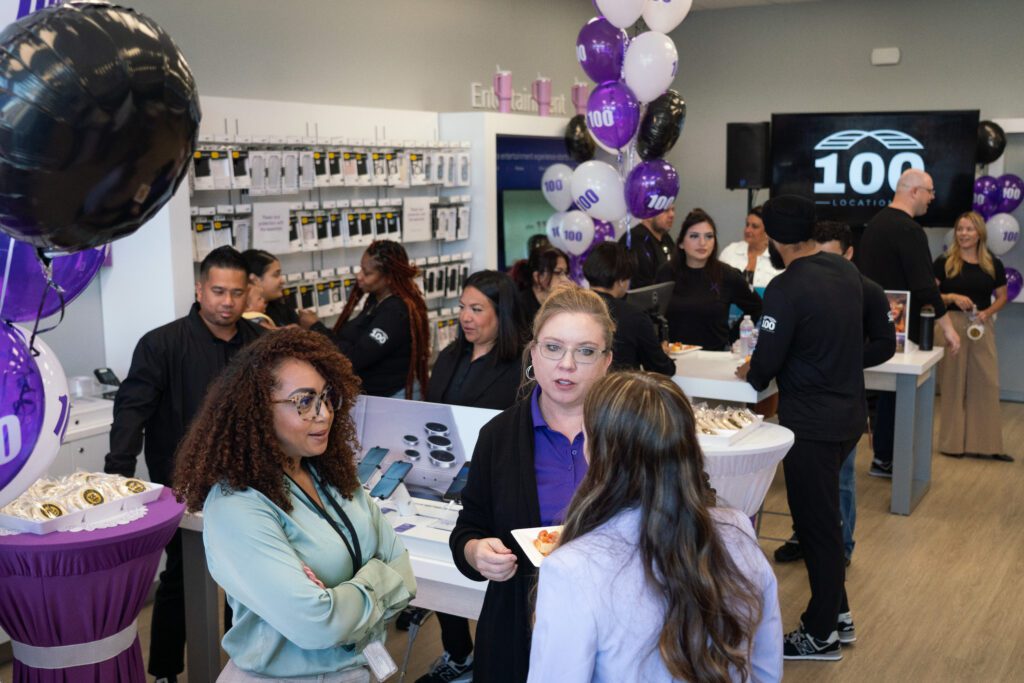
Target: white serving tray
[(526, 537), (77, 518), (725, 438)]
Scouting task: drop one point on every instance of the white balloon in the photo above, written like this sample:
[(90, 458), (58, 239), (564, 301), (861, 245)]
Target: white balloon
[(555, 186), (554, 229), (665, 15), (598, 189), (650, 65), (577, 232), (55, 421), (621, 13), (1003, 231)]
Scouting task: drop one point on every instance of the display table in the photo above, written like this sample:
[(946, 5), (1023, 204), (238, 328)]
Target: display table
[(912, 376), (69, 600), (742, 473), (712, 375)]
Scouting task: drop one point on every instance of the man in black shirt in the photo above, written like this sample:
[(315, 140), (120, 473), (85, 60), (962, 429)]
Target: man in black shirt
[(650, 246), (170, 371), (894, 253), (608, 269), (812, 341)]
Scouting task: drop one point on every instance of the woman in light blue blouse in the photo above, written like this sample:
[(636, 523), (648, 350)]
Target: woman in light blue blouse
[(310, 567), (651, 583)]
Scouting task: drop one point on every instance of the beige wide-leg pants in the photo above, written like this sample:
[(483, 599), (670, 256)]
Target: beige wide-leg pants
[(971, 420)]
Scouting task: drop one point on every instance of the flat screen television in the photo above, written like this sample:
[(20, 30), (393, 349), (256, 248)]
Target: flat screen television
[(522, 209), (849, 163)]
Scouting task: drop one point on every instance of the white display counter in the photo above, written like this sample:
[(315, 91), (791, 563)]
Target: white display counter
[(712, 375)]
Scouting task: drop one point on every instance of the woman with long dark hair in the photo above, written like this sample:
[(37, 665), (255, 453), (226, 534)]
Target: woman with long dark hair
[(310, 566), (545, 269), (650, 581), (698, 312), (389, 341), (265, 273)]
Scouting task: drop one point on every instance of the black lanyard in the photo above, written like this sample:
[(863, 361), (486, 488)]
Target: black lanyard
[(355, 552)]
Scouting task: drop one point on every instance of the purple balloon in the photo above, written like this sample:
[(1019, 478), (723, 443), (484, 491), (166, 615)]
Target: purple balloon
[(27, 284), (600, 49), (1014, 281), (613, 114), (651, 188), (603, 232), (986, 196), (21, 403), (1011, 192)]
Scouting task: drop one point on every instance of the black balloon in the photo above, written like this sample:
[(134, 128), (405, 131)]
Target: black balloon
[(98, 120), (661, 125), (578, 142), (991, 142)]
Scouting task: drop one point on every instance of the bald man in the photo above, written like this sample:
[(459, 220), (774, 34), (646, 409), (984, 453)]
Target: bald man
[(894, 253)]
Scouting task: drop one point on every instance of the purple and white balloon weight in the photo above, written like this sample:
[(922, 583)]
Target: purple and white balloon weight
[(650, 65), (600, 49), (1014, 281), (1003, 233), (613, 114), (1011, 193), (577, 232), (33, 411), (597, 189), (652, 187), (986, 196), (71, 272)]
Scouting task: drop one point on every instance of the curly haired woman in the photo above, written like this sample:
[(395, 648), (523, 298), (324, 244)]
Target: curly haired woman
[(269, 460)]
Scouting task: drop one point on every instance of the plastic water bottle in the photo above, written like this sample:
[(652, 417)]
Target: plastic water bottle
[(746, 336)]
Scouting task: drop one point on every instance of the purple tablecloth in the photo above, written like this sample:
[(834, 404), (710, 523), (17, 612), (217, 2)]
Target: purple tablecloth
[(68, 588)]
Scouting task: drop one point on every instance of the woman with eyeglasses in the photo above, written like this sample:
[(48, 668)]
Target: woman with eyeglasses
[(310, 567), (651, 582), (545, 269), (705, 288), (527, 464)]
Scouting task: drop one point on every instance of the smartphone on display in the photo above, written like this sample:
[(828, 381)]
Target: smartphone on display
[(107, 376), (454, 491), (391, 479), (370, 462)]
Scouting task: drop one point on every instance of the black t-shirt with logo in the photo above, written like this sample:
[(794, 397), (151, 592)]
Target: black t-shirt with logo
[(812, 342), (379, 344), (972, 281)]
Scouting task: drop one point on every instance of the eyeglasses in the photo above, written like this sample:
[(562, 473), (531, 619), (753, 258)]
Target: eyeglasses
[(307, 403), (584, 355)]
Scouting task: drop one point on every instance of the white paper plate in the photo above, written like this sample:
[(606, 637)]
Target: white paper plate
[(686, 350), (525, 539)]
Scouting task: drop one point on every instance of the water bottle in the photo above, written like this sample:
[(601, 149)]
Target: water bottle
[(746, 336)]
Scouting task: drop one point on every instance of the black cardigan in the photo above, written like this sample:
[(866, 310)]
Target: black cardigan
[(501, 495), (497, 388)]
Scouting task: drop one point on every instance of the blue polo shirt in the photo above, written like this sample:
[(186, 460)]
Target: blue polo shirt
[(558, 464)]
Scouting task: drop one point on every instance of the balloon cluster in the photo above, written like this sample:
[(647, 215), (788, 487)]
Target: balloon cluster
[(99, 114), (630, 114), (995, 199)]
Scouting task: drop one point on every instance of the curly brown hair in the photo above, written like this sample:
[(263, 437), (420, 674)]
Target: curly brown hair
[(232, 442)]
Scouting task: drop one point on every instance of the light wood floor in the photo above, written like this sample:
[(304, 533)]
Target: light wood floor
[(937, 596)]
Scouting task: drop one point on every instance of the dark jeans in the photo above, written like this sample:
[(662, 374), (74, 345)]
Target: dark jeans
[(167, 642), (455, 636), (812, 488), (883, 429)]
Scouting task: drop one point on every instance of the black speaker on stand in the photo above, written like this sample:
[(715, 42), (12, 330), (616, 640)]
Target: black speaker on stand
[(746, 158)]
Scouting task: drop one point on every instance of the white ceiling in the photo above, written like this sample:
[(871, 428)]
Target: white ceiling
[(724, 4)]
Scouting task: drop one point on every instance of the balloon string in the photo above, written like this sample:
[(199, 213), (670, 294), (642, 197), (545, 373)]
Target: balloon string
[(47, 265), (7, 273)]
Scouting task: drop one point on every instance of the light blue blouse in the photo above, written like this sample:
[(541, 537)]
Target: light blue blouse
[(284, 625), (598, 619)]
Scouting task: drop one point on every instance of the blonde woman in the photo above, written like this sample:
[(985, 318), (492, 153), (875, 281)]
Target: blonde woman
[(973, 287)]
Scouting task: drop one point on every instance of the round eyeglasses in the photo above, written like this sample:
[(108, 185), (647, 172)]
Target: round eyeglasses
[(583, 355), (307, 403)]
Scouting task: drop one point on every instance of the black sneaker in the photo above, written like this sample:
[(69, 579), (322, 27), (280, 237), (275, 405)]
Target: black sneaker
[(880, 469), (444, 670), (844, 627), (789, 552), (800, 644)]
